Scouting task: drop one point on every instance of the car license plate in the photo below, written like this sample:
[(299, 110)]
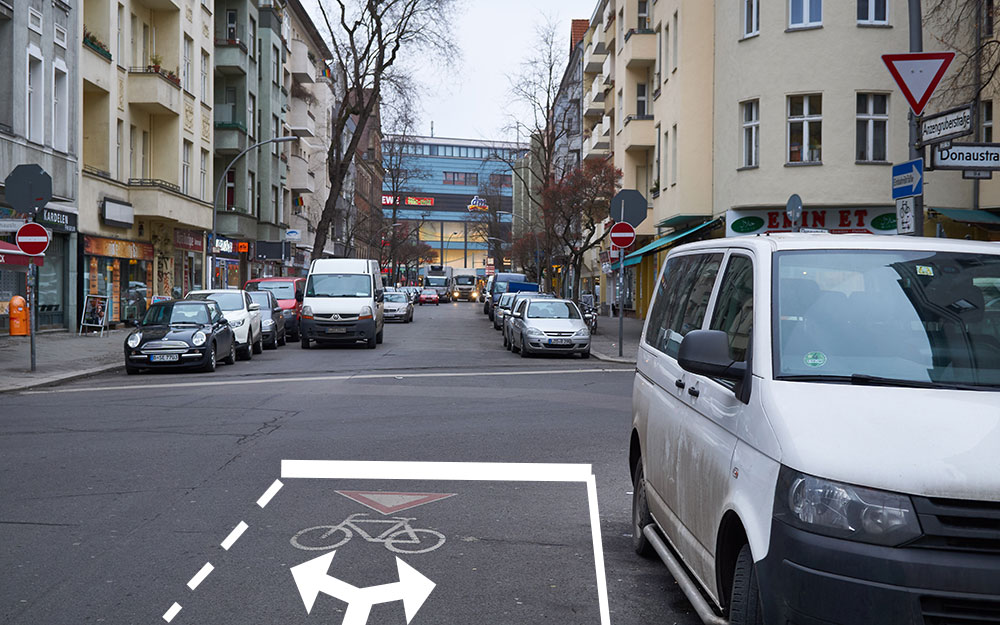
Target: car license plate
[(164, 358), (336, 330), (559, 342)]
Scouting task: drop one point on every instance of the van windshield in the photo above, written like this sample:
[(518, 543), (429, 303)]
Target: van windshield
[(912, 317), (339, 285), (465, 280), (435, 281)]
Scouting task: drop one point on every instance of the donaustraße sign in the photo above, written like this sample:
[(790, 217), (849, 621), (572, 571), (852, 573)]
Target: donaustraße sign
[(968, 156)]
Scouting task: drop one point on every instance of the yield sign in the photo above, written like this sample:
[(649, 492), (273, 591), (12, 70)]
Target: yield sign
[(918, 74), (390, 503)]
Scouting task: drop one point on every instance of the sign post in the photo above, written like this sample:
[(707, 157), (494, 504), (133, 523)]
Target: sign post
[(631, 207), (33, 240)]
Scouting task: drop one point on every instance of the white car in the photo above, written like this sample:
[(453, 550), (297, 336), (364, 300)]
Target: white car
[(816, 429), (243, 315)]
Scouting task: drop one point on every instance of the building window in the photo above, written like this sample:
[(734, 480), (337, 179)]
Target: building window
[(144, 168), (251, 107), (35, 100), (60, 108), (119, 150), (988, 17), (231, 25), (751, 136), (59, 36), (620, 113), (205, 64), (805, 129), (873, 12), (186, 168), (275, 65), (986, 115), (666, 159), (275, 132), (274, 198), (873, 124), (658, 157), (640, 99), (186, 67), (120, 52), (659, 56), (34, 20), (805, 13), (751, 17), (677, 35), (251, 205), (643, 22), (131, 151), (500, 180), (203, 180), (673, 156), (666, 53), (621, 29), (251, 45), (461, 178)]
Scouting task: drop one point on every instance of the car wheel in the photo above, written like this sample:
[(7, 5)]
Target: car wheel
[(283, 339), (505, 343), (585, 354), (258, 346), (274, 341), (524, 348), (231, 358), (130, 370), (640, 513), (744, 601), (211, 364), (378, 337), (304, 341), (513, 347)]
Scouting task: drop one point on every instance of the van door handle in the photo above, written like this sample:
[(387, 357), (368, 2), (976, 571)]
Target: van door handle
[(694, 392), (679, 383)]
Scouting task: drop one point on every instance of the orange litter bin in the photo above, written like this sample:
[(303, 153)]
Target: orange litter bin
[(18, 316)]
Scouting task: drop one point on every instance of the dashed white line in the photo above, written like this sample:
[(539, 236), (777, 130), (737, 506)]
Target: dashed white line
[(234, 535), (200, 576), (269, 493), (172, 612)]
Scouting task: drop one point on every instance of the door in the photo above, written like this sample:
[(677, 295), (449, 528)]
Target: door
[(231, 30), (517, 323)]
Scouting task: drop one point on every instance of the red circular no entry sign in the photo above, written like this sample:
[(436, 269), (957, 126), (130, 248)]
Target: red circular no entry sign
[(622, 235), (32, 238)]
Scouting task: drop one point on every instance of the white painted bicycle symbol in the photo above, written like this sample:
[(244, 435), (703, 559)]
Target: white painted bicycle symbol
[(396, 534)]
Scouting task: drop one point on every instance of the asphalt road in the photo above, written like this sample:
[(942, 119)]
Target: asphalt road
[(116, 490)]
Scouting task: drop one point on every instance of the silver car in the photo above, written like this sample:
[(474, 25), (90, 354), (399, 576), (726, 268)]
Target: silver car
[(501, 309), (517, 299), (552, 326), (398, 307)]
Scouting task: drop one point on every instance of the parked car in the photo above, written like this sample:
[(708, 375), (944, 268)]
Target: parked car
[(178, 334), (553, 326), (413, 292), (284, 290), (342, 302), (514, 302), (243, 315), (502, 308), (272, 321), (815, 429), (398, 306), (429, 296)]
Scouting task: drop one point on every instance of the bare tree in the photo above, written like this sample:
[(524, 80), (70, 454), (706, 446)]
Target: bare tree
[(486, 223), (368, 37), (965, 27), (401, 170)]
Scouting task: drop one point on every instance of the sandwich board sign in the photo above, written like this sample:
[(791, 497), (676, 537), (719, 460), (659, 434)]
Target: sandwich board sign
[(918, 74)]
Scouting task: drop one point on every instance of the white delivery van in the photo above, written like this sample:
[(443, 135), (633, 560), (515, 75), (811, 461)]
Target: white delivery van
[(816, 429), (342, 302)]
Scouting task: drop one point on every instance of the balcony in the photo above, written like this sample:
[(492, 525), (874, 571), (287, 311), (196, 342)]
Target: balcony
[(608, 71), (639, 133), (156, 92), (300, 119), (594, 56), (593, 100), (302, 66), (230, 132), (640, 49), (596, 146), (300, 179), (230, 57)]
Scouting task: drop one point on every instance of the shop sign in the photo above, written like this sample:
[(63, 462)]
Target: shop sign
[(388, 200), (867, 220), (293, 235), (478, 204), (190, 240), (58, 221), (115, 248), (242, 247), (420, 201), (117, 213), (224, 245)]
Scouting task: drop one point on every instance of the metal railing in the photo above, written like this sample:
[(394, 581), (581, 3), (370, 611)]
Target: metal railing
[(94, 171), (230, 43), (170, 77), (154, 183)]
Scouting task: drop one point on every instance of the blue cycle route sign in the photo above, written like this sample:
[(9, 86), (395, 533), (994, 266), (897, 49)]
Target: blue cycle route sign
[(908, 179)]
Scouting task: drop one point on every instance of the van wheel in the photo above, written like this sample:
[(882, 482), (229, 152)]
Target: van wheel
[(640, 513), (378, 337), (304, 341), (744, 601)]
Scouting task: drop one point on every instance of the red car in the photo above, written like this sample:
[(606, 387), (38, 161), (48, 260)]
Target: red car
[(429, 296), (284, 289)]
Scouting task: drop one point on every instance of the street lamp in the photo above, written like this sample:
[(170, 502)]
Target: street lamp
[(218, 191), (446, 244)]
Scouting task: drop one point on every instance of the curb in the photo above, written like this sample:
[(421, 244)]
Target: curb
[(600, 356), (58, 379)]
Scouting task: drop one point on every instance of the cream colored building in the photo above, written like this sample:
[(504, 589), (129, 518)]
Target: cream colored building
[(146, 136)]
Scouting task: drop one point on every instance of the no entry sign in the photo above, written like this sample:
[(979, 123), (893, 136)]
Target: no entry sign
[(622, 235), (32, 239)]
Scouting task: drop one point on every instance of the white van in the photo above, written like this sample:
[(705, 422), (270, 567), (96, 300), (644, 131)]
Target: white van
[(342, 302), (816, 429)]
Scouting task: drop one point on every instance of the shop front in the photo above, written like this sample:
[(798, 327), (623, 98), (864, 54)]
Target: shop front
[(189, 253), (231, 269), (13, 277), (121, 270)]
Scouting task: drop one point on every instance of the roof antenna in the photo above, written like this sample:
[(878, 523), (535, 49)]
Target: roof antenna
[(432, 128)]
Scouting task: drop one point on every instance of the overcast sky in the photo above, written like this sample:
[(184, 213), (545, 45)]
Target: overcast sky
[(494, 36)]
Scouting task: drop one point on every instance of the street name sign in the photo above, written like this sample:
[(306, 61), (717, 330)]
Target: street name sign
[(946, 125), (918, 74), (622, 235), (908, 179), (965, 156), (32, 239)]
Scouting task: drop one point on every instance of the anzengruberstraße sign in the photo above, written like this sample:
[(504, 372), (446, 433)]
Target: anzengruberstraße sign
[(967, 156)]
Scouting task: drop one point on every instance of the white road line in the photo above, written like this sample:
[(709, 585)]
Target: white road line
[(234, 535), (325, 378), (200, 576), (172, 612), (269, 493), (449, 471)]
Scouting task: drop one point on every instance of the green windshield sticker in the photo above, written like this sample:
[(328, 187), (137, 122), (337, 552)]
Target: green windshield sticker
[(924, 270), (815, 359)]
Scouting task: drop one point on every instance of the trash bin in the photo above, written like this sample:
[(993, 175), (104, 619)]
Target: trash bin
[(18, 316)]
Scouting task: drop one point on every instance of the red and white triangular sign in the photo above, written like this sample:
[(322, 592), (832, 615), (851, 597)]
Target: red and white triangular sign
[(390, 503), (918, 74)]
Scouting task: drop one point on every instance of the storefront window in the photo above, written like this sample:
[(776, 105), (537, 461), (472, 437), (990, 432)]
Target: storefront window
[(51, 287), (134, 289)]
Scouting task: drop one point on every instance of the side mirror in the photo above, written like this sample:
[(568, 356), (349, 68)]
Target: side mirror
[(298, 296), (706, 352), (379, 296), (517, 315), (254, 307)]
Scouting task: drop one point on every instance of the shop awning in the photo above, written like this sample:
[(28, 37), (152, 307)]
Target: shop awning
[(681, 220), (969, 216), (11, 257), (636, 257)]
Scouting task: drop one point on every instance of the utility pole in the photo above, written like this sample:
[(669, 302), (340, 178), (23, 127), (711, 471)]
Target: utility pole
[(916, 45)]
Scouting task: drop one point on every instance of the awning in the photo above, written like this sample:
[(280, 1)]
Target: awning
[(969, 216), (679, 220), (11, 257), (636, 257)]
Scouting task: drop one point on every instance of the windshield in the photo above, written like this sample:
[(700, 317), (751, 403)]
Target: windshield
[(339, 285), (281, 290), (505, 300), (904, 315), (499, 287), (428, 281), (465, 280), (164, 314), (260, 297), (552, 310), (429, 292), (396, 297), (227, 301)]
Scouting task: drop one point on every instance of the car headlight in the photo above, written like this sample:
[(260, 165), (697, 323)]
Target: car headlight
[(844, 511), (533, 332), (267, 323), (306, 312), (582, 333), (237, 323), (366, 313), (288, 312), (134, 339), (198, 339)]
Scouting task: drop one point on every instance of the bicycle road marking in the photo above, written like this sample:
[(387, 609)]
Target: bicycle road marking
[(399, 536), (392, 502)]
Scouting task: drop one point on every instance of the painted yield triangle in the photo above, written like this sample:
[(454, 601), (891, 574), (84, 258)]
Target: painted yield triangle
[(391, 503), (918, 74)]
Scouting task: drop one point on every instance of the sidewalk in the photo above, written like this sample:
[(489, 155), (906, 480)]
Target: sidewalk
[(604, 344), (59, 356)]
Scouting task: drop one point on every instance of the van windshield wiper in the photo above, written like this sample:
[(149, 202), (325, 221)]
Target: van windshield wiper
[(862, 379)]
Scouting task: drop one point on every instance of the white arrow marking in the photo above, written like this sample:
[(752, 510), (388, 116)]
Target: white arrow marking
[(311, 579), (916, 179)]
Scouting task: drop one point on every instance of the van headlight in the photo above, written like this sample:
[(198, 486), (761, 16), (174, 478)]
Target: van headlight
[(366, 313), (198, 339), (306, 312), (844, 511), (134, 339)]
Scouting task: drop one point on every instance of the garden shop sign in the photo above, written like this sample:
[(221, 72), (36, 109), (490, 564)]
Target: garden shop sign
[(867, 220)]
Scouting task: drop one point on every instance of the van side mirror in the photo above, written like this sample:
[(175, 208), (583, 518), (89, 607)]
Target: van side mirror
[(706, 352), (298, 295), (379, 296)]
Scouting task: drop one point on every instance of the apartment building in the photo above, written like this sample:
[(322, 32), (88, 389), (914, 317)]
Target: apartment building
[(39, 62), (147, 142)]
